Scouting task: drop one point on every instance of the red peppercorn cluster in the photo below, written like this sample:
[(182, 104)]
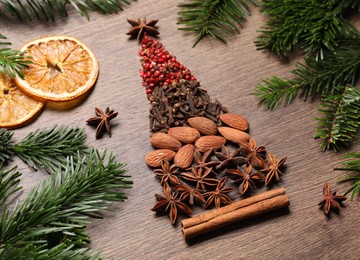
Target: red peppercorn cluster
[(159, 67)]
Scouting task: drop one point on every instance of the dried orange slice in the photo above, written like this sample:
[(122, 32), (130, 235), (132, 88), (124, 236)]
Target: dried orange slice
[(16, 108), (63, 69)]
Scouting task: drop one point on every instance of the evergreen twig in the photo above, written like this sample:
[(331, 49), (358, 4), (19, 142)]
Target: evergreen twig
[(49, 148), (354, 167), (213, 17), (48, 9), (11, 61), (341, 118), (9, 181), (59, 208), (5, 146)]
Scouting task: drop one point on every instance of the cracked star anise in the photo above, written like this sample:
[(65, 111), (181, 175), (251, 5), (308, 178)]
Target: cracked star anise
[(189, 194), (254, 153), (245, 178), (200, 176), (229, 159), (218, 196), (273, 170), (330, 200), (140, 27), (102, 121), (167, 173), (169, 202)]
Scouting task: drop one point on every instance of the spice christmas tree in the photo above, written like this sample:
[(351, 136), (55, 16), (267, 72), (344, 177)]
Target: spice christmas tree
[(202, 151)]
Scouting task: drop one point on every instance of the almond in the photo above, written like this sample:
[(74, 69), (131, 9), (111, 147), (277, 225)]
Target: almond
[(203, 125), (154, 158), (209, 142), (235, 121), (233, 135), (165, 141), (184, 134), (184, 156)]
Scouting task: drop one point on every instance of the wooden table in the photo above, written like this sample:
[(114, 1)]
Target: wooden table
[(229, 73)]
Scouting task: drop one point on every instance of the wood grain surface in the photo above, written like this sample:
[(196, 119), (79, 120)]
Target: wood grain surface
[(229, 73)]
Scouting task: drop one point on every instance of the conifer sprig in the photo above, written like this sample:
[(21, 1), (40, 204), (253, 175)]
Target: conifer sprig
[(5, 146), (11, 61), (314, 25), (9, 181), (49, 9), (58, 209), (352, 166), (49, 148), (341, 118), (215, 18)]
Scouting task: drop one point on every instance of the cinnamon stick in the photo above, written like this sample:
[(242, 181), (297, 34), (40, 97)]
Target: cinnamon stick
[(235, 212)]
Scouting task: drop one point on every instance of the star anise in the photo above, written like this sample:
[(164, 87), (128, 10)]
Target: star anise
[(202, 161), (255, 154), (170, 203), (102, 121), (167, 173), (200, 177), (229, 159), (140, 27), (331, 200), (246, 178), (218, 196), (273, 169), (189, 194)]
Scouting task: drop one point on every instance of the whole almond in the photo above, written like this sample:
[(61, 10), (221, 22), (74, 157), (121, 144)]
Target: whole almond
[(233, 135), (154, 158), (164, 141), (184, 134), (203, 125), (184, 156), (209, 142), (235, 121)]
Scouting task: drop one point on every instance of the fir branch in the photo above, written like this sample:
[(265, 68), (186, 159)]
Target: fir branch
[(9, 181), (316, 77), (58, 209), (12, 61), (354, 176), (5, 146), (49, 148), (314, 25), (341, 118), (48, 9), (213, 17)]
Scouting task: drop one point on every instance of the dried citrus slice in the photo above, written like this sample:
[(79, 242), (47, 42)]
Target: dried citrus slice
[(63, 69), (16, 108)]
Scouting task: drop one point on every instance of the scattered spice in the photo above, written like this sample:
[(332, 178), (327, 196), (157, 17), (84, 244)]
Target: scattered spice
[(254, 153), (167, 173), (245, 178), (200, 176), (141, 27), (189, 194), (169, 202), (273, 170), (218, 196), (203, 161), (102, 121), (331, 200), (228, 159)]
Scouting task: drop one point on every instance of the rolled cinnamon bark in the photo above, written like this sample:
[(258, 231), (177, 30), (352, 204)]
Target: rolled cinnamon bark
[(235, 212)]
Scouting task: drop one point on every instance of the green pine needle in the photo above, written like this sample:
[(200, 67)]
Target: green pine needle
[(11, 61), (9, 181), (48, 9), (341, 118), (60, 207), (316, 77), (5, 146), (49, 148), (354, 176), (315, 25), (214, 18)]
